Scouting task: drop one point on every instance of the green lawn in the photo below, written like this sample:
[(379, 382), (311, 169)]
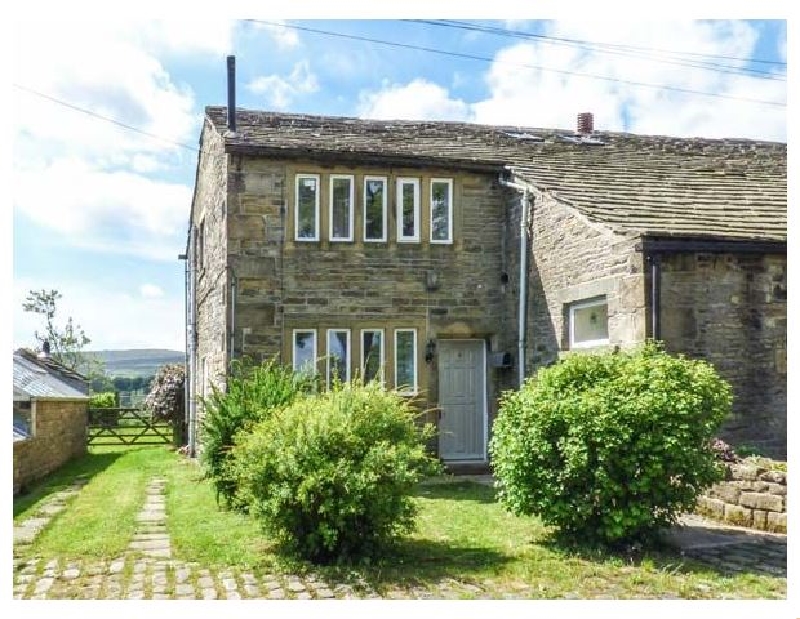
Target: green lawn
[(101, 519), (462, 534)]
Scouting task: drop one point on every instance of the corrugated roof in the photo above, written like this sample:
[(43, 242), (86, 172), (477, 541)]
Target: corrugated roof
[(44, 378), (726, 188)]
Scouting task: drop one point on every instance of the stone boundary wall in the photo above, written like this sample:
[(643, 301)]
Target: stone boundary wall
[(59, 434), (751, 496)]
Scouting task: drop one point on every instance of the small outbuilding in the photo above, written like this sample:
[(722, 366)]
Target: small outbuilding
[(49, 416)]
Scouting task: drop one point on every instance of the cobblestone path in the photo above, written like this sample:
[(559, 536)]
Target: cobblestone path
[(148, 571)]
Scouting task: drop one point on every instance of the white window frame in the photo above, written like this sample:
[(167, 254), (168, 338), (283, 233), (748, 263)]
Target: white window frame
[(350, 219), (415, 388), (596, 302), (313, 333), (385, 182), (381, 377), (401, 238), (297, 178), (328, 356), (449, 240)]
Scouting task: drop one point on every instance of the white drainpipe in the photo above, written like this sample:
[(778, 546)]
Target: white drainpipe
[(523, 279)]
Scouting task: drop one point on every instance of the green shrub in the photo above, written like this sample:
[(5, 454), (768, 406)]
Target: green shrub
[(610, 447), (252, 393), (106, 399), (331, 475)]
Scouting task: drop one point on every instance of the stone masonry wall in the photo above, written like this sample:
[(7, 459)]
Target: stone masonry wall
[(730, 309), (751, 496), (575, 260), (59, 434), (211, 276), (284, 285)]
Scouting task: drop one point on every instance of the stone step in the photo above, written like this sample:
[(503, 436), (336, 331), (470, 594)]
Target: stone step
[(145, 537), (150, 544)]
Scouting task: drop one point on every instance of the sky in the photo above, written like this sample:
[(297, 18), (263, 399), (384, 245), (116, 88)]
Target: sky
[(100, 211)]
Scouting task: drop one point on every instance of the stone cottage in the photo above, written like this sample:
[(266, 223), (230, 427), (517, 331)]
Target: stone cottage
[(450, 260), (49, 416)]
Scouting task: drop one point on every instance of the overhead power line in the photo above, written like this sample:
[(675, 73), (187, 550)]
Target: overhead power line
[(105, 118), (499, 30), (527, 66), (683, 59)]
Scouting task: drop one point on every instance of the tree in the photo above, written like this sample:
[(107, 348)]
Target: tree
[(67, 344)]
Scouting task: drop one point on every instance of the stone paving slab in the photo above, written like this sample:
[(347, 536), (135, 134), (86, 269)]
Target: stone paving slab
[(27, 530)]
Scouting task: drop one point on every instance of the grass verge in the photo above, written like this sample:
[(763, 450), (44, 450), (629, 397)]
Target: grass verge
[(101, 520), (463, 536)]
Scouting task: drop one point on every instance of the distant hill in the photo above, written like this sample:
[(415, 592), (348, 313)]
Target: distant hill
[(136, 362)]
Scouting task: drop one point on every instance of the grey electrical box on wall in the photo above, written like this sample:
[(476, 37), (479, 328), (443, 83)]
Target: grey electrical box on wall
[(501, 360)]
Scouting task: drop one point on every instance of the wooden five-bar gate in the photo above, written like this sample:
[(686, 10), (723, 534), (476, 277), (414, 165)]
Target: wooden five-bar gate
[(130, 426)]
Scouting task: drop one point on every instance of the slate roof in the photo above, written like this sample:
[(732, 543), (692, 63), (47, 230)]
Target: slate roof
[(45, 378), (717, 188)]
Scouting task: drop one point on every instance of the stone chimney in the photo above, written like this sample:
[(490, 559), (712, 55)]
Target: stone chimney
[(45, 354), (585, 123)]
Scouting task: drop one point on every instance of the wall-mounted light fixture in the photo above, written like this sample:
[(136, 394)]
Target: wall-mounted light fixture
[(431, 280), (430, 351)]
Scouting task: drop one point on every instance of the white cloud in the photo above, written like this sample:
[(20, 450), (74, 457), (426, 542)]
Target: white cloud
[(281, 91), (150, 291), (529, 96), (284, 38), (522, 93), (418, 100), (68, 176), (135, 322), (115, 211)]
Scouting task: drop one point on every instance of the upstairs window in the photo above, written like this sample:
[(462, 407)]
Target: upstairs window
[(441, 210), (304, 351), (588, 323), (338, 355), (405, 361), (375, 208), (407, 210), (372, 355), (341, 207), (306, 207)]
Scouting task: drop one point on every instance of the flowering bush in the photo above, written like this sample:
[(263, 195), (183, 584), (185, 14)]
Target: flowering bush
[(166, 397)]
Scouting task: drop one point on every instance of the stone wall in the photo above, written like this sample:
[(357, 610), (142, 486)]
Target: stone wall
[(284, 285), (59, 434), (751, 496), (211, 276), (730, 309), (576, 260)]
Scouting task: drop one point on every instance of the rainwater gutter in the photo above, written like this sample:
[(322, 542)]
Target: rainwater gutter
[(523, 279)]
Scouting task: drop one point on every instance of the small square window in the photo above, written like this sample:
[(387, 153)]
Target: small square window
[(588, 323)]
